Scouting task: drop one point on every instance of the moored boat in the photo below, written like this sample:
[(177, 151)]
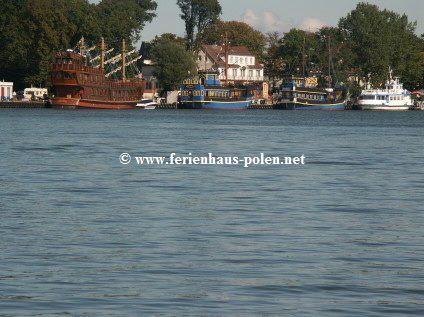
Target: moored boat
[(76, 84), (146, 104), (303, 94), (392, 97), (206, 92)]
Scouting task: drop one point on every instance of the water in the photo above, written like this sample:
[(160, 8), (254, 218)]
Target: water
[(83, 235)]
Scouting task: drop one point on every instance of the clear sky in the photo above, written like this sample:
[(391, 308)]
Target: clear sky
[(279, 15)]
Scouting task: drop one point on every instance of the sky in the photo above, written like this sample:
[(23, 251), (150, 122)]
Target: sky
[(279, 15)]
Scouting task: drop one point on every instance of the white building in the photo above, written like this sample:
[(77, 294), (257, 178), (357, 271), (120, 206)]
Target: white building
[(242, 65), (6, 90)]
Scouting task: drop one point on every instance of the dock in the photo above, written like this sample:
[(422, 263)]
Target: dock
[(24, 104)]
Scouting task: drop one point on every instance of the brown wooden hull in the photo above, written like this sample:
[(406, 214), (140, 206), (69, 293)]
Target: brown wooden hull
[(76, 85), (73, 103)]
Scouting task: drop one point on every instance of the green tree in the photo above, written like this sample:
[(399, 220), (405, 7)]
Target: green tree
[(31, 30), (379, 40), (336, 55), (273, 62), (198, 14), (124, 19), (238, 33), (15, 43), (301, 52), (173, 62)]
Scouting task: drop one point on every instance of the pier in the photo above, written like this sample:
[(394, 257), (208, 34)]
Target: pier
[(24, 104)]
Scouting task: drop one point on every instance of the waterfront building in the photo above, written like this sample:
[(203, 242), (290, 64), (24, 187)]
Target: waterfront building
[(243, 67), (6, 90)]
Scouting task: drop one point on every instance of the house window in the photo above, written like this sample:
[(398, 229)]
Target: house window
[(234, 73), (258, 74), (250, 73), (243, 73), (251, 61), (200, 58)]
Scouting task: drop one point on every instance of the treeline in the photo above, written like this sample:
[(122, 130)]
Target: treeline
[(31, 30), (365, 44)]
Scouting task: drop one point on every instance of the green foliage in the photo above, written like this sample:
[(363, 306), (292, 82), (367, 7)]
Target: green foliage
[(379, 40), (300, 51), (198, 14), (238, 33), (124, 19), (32, 30), (168, 36), (334, 47), (173, 62)]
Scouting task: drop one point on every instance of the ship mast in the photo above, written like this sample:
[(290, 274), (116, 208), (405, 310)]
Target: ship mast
[(103, 53), (123, 61), (82, 46), (303, 57), (226, 59), (329, 62)]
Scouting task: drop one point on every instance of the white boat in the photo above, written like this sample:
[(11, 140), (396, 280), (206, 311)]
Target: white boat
[(146, 104), (392, 97)]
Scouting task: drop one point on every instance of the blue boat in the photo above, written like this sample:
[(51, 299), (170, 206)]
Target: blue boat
[(206, 92), (303, 94)]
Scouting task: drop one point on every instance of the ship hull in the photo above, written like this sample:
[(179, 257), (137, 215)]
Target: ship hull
[(308, 106), (73, 103), (383, 108), (217, 105)]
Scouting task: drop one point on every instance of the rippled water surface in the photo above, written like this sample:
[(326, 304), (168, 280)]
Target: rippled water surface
[(83, 235)]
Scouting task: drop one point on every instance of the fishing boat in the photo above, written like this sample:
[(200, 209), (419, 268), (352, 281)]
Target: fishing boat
[(392, 97), (206, 92), (299, 93), (79, 81)]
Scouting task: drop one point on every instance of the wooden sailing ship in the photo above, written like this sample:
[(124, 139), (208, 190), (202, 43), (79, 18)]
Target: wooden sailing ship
[(79, 83)]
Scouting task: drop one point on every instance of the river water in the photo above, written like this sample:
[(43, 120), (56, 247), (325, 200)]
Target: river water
[(84, 235)]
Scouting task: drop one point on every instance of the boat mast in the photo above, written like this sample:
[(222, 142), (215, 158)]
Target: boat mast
[(303, 57), (82, 46), (123, 61), (103, 53), (329, 62), (226, 59)]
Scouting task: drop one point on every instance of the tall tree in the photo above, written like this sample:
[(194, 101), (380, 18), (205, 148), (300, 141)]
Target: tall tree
[(124, 19), (239, 34), (273, 62), (301, 52), (336, 55), (173, 62), (15, 42), (31, 30), (198, 15), (380, 39)]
